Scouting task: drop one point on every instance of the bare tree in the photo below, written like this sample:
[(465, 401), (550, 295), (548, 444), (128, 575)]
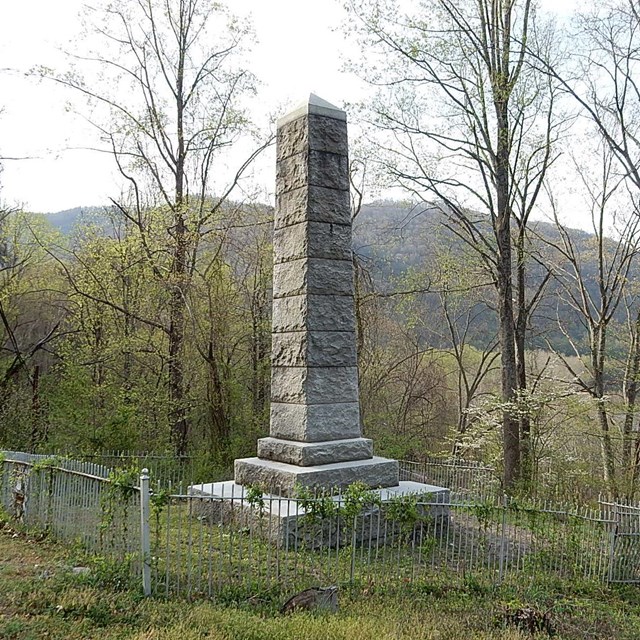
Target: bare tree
[(597, 297), (30, 319), (603, 77), (167, 99), (470, 122), (470, 371)]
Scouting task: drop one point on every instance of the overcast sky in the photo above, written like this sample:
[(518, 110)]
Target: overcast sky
[(298, 51)]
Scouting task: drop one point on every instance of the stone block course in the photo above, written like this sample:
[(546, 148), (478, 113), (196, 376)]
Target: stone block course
[(315, 422), (318, 168), (284, 478), (314, 349), (293, 138), (313, 240), (329, 135), (312, 203), (313, 276), (313, 312), (312, 133), (314, 385)]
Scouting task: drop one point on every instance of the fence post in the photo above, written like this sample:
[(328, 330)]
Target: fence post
[(503, 533), (612, 548), (145, 539), (352, 567)]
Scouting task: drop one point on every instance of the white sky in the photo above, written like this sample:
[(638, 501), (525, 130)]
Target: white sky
[(297, 51)]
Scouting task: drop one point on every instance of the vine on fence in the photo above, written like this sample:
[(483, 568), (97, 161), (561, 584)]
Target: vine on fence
[(318, 505), (158, 500), (254, 495), (357, 497), (47, 463), (485, 512), (407, 512), (334, 514), (120, 488)]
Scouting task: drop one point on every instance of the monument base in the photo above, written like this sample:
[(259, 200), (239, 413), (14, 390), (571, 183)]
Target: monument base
[(311, 454), (281, 478), (286, 523)]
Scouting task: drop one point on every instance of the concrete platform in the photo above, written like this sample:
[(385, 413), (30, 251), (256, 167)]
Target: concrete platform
[(282, 520)]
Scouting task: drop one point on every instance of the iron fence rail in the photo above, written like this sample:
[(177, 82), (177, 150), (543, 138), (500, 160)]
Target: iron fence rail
[(89, 467), (194, 554), (462, 477)]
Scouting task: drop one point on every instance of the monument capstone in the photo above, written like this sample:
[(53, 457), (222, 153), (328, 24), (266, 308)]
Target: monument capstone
[(315, 435)]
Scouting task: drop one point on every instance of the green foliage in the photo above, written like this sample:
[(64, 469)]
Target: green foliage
[(109, 573), (115, 501), (486, 512), (254, 495), (356, 498), (406, 511), (159, 499), (318, 504), (123, 482), (100, 605), (49, 462)]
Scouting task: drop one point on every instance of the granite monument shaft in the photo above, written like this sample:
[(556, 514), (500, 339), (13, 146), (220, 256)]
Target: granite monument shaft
[(315, 433)]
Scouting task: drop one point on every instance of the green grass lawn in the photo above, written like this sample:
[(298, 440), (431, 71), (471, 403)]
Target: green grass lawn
[(41, 597)]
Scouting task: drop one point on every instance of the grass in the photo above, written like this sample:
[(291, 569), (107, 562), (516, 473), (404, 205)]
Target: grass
[(41, 597)]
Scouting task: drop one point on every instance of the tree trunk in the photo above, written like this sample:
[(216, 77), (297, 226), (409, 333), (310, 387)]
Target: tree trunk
[(128, 330), (521, 364), (37, 428), (177, 408), (510, 425), (630, 396), (606, 446), (502, 227), (259, 346), (220, 429)]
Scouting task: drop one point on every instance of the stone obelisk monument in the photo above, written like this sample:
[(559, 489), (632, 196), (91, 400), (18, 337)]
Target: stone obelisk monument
[(315, 435)]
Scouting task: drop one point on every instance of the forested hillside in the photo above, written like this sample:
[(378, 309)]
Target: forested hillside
[(404, 246), (399, 243)]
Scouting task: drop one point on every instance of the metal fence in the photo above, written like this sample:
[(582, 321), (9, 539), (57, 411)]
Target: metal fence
[(624, 541), (91, 467), (166, 469), (252, 545), (465, 480), (212, 546), (75, 503)]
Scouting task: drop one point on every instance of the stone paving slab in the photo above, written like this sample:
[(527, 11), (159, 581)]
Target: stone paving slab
[(282, 520)]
